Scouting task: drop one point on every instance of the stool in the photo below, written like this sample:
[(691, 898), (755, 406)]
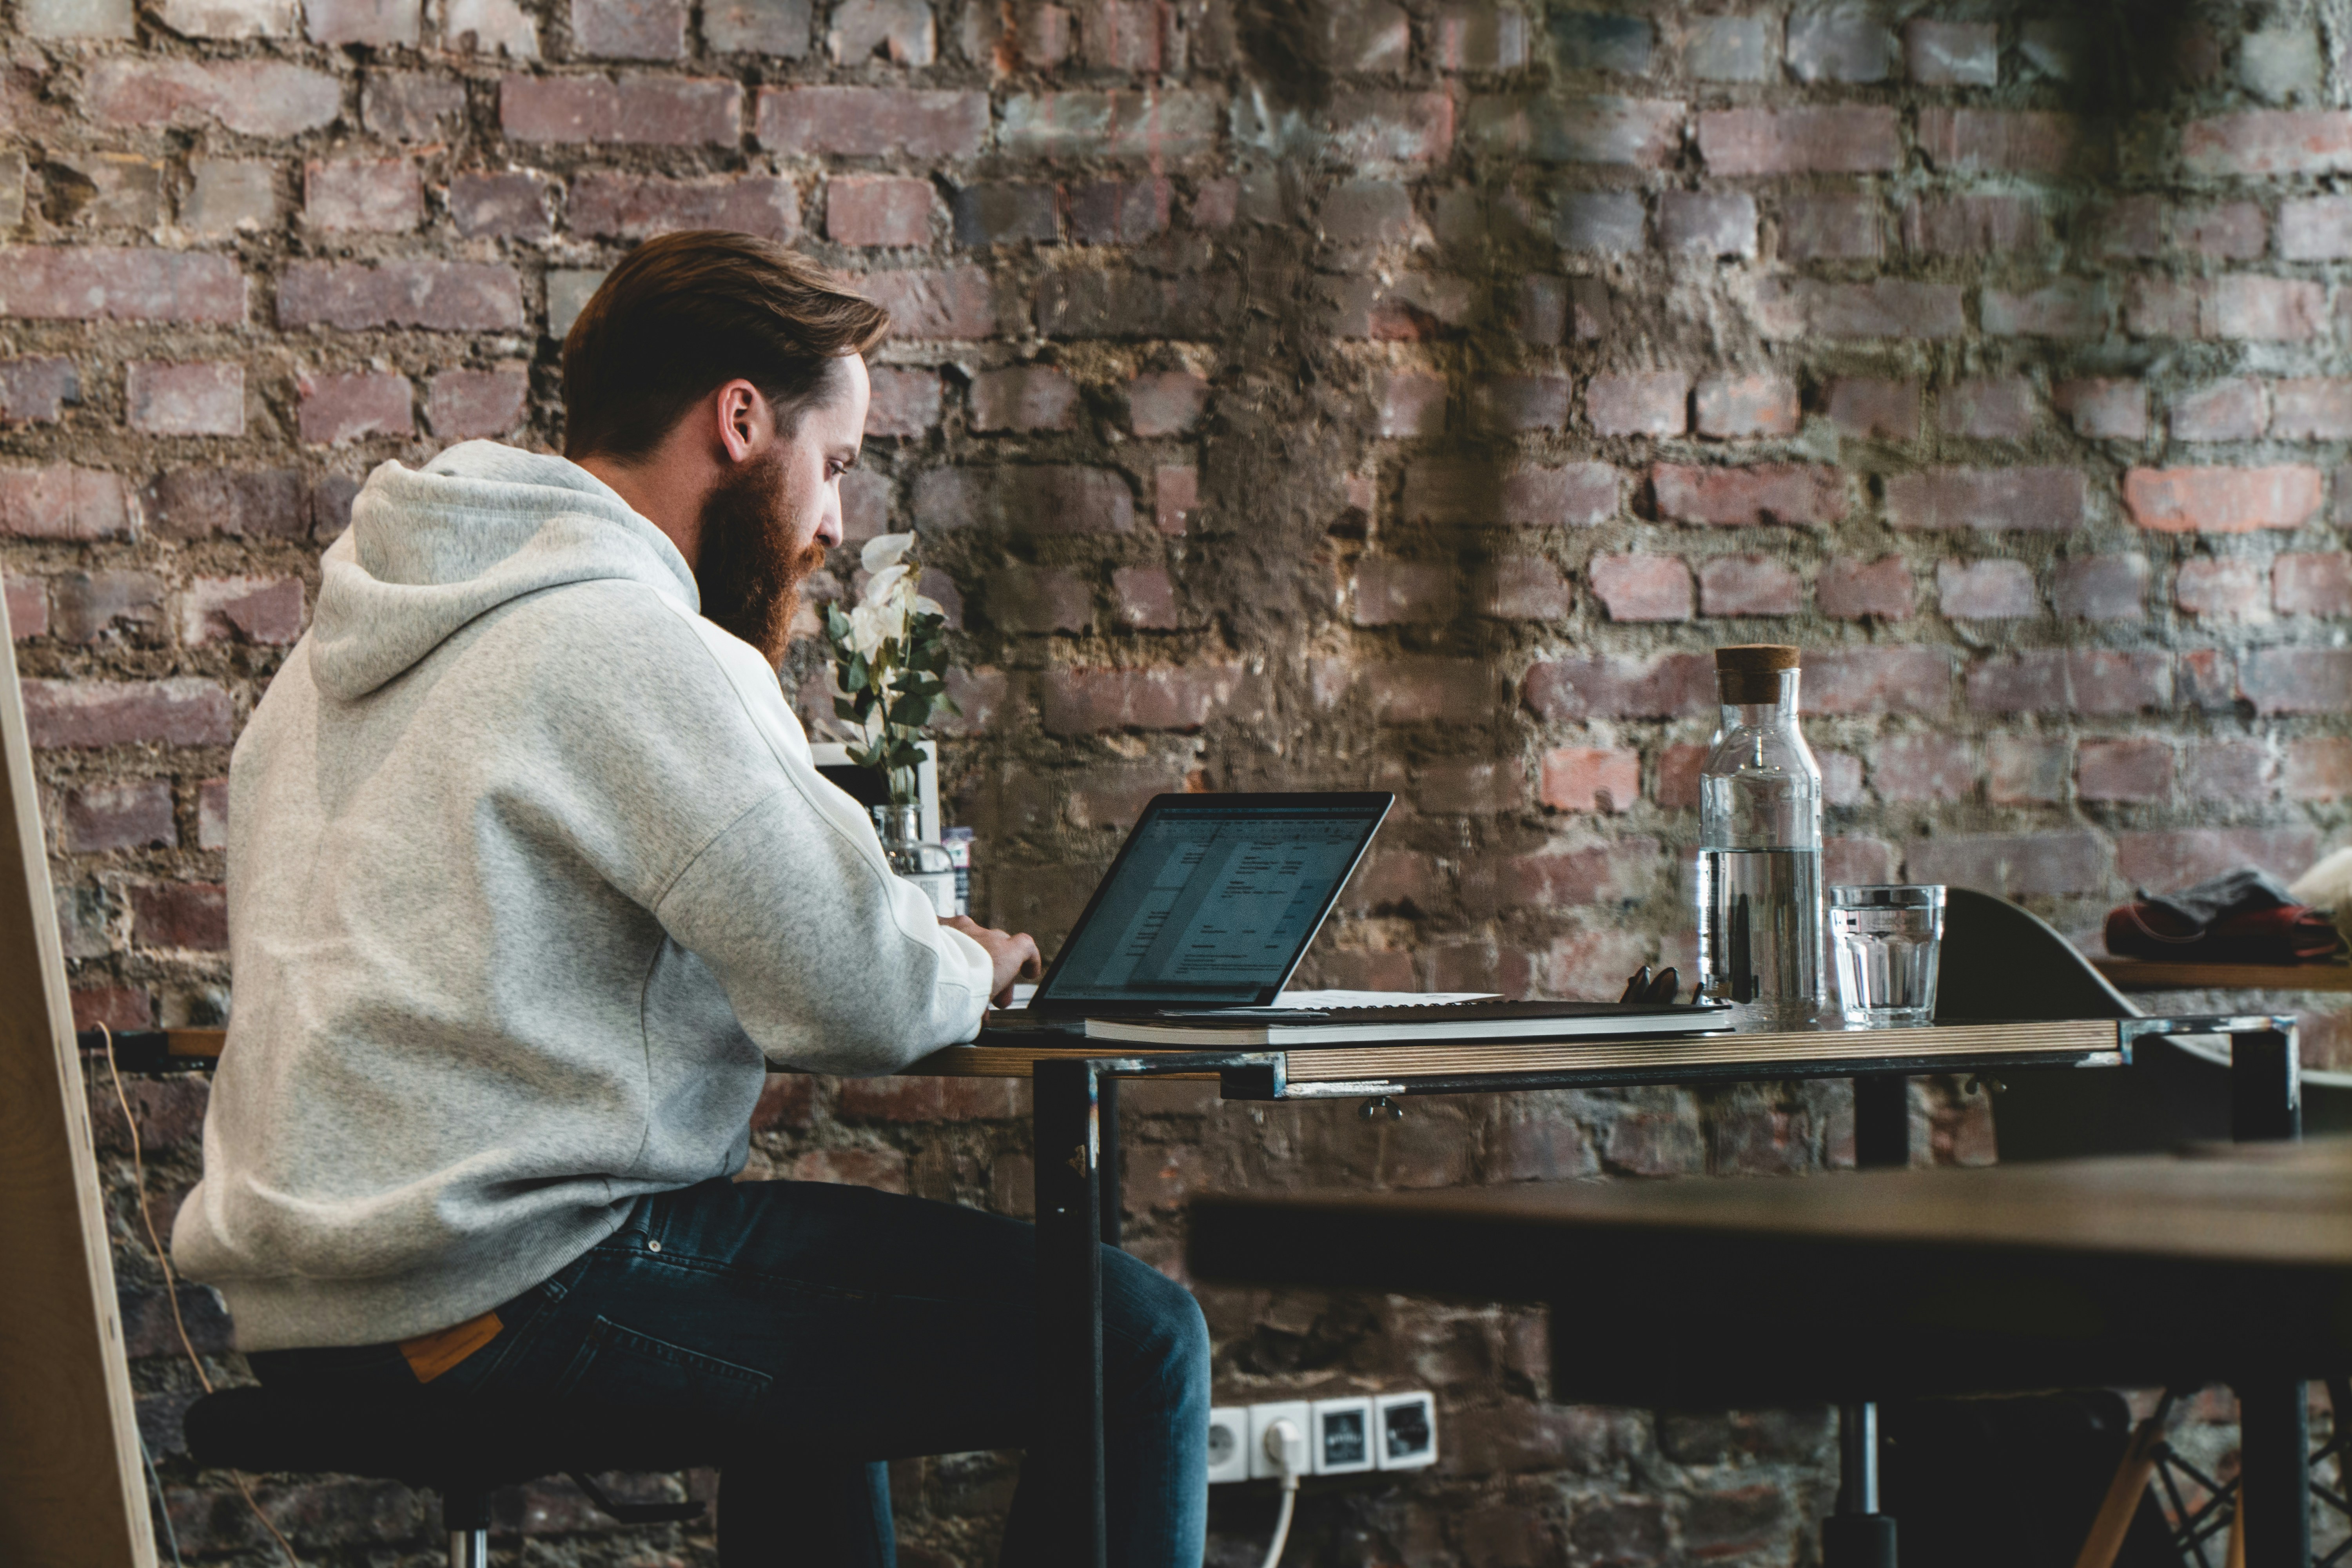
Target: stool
[(463, 1449)]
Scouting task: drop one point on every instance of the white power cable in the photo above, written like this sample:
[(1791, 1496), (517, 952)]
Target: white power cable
[(1286, 1445)]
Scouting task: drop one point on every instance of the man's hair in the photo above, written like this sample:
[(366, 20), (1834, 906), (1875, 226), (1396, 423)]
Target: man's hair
[(687, 313)]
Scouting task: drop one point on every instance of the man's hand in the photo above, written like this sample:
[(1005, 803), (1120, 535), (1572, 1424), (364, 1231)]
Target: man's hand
[(1012, 957)]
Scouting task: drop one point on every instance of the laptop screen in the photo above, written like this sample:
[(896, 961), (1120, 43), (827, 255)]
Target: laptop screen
[(1213, 899)]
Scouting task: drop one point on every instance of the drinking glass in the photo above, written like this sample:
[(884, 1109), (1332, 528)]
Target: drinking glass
[(1887, 941)]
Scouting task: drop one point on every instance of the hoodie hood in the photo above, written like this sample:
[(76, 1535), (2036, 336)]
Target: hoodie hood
[(430, 549)]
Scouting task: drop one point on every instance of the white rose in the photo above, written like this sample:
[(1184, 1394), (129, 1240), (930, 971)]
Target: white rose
[(884, 549)]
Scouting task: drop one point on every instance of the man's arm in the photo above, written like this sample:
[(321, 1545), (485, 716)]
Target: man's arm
[(1012, 957)]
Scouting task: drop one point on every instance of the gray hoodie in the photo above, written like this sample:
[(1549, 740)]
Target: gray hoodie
[(529, 879)]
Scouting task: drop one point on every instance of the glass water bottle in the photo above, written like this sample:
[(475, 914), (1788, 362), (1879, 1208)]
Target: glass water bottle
[(923, 862), (1759, 858)]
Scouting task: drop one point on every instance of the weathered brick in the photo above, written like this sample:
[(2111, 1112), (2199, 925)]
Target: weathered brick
[(1999, 141), (103, 190), (1481, 38), (1390, 591), (1521, 588), (77, 714), (1024, 397), (2228, 231), (265, 610), (463, 403), (354, 406), (191, 915), (1150, 124), (950, 303), (2103, 409), (1730, 48), (28, 607), (1078, 701), (2277, 309), (634, 108), (36, 390), (251, 97), (228, 197), (2297, 680), (1575, 495), (1883, 308), (441, 295), (1796, 494), (628, 29), (1411, 403), (1118, 212), (2014, 865), (1165, 402), (2136, 772), (905, 403), (2312, 583), (994, 214), (1610, 222), (131, 814), (2067, 309), (1144, 597), (1642, 587), (1176, 495), (1638, 403), (74, 18), (410, 106), (2078, 681), (1594, 128), (1952, 54), (1879, 681), (192, 503), (1830, 228), (90, 283), (1591, 778), (1973, 226), (1852, 590), (1846, 140), (62, 501), (878, 209), (1039, 600), (1923, 768), (2222, 587), (1533, 402), (206, 399), (2311, 410), (2268, 141), (1039, 500), (380, 194), (2026, 499), (1749, 585), (2165, 862), (1988, 408), (2316, 229), (1732, 406), (1840, 45), (1870, 407), (2226, 770), (1709, 223), (624, 206), (378, 22), (2025, 771), (2317, 768), (1611, 686), (758, 27), (88, 604), (2221, 500), (2101, 588)]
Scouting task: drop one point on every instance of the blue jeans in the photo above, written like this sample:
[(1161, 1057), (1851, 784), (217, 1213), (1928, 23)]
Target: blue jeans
[(878, 1326)]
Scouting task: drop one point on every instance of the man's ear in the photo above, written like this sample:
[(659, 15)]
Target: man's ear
[(746, 425)]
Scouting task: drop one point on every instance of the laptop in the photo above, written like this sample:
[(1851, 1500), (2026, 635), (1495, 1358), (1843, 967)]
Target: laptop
[(1211, 906)]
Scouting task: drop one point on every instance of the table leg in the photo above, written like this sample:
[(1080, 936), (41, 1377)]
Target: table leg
[(1857, 1535), (2274, 1418), (1108, 1170), (2274, 1437), (1070, 1226), (2266, 1087), (1882, 1120)]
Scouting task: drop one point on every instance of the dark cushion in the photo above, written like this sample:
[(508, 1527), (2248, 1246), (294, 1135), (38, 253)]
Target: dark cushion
[(443, 1443)]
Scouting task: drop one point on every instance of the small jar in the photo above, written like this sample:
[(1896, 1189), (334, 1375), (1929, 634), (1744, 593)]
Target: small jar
[(922, 861)]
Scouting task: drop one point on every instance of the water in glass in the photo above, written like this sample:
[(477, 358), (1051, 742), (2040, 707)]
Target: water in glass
[(1887, 940)]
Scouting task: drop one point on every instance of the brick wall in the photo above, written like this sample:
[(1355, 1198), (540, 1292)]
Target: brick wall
[(1292, 393)]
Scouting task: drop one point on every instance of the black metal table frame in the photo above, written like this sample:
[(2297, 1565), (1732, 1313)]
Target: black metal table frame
[(1076, 1116)]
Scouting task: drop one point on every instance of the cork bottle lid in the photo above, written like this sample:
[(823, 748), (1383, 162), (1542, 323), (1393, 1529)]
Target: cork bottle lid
[(1756, 659)]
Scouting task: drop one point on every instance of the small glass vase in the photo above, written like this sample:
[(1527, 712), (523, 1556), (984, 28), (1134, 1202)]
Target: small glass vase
[(924, 862)]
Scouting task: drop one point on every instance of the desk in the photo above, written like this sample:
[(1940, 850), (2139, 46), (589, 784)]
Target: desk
[(1077, 1137), (2231, 1266)]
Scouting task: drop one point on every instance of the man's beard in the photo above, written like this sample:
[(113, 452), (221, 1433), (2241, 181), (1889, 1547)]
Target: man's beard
[(748, 571)]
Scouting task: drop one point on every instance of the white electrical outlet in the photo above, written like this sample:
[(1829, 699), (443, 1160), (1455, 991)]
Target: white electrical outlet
[(1341, 1440), (1261, 1416), (1406, 1424), (1229, 1429)]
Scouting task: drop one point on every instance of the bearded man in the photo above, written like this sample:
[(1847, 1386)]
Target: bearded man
[(531, 881)]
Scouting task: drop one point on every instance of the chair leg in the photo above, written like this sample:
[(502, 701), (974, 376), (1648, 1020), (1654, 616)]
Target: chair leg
[(2132, 1473), (467, 1516)]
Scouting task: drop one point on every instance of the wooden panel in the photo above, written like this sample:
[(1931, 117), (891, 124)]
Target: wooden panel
[(72, 1490), (1758, 1052), (2144, 974)]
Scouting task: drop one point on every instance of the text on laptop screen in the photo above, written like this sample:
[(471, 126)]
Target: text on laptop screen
[(1213, 905)]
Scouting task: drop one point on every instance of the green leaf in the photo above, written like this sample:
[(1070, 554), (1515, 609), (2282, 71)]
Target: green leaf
[(855, 675), (844, 709), (911, 711)]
